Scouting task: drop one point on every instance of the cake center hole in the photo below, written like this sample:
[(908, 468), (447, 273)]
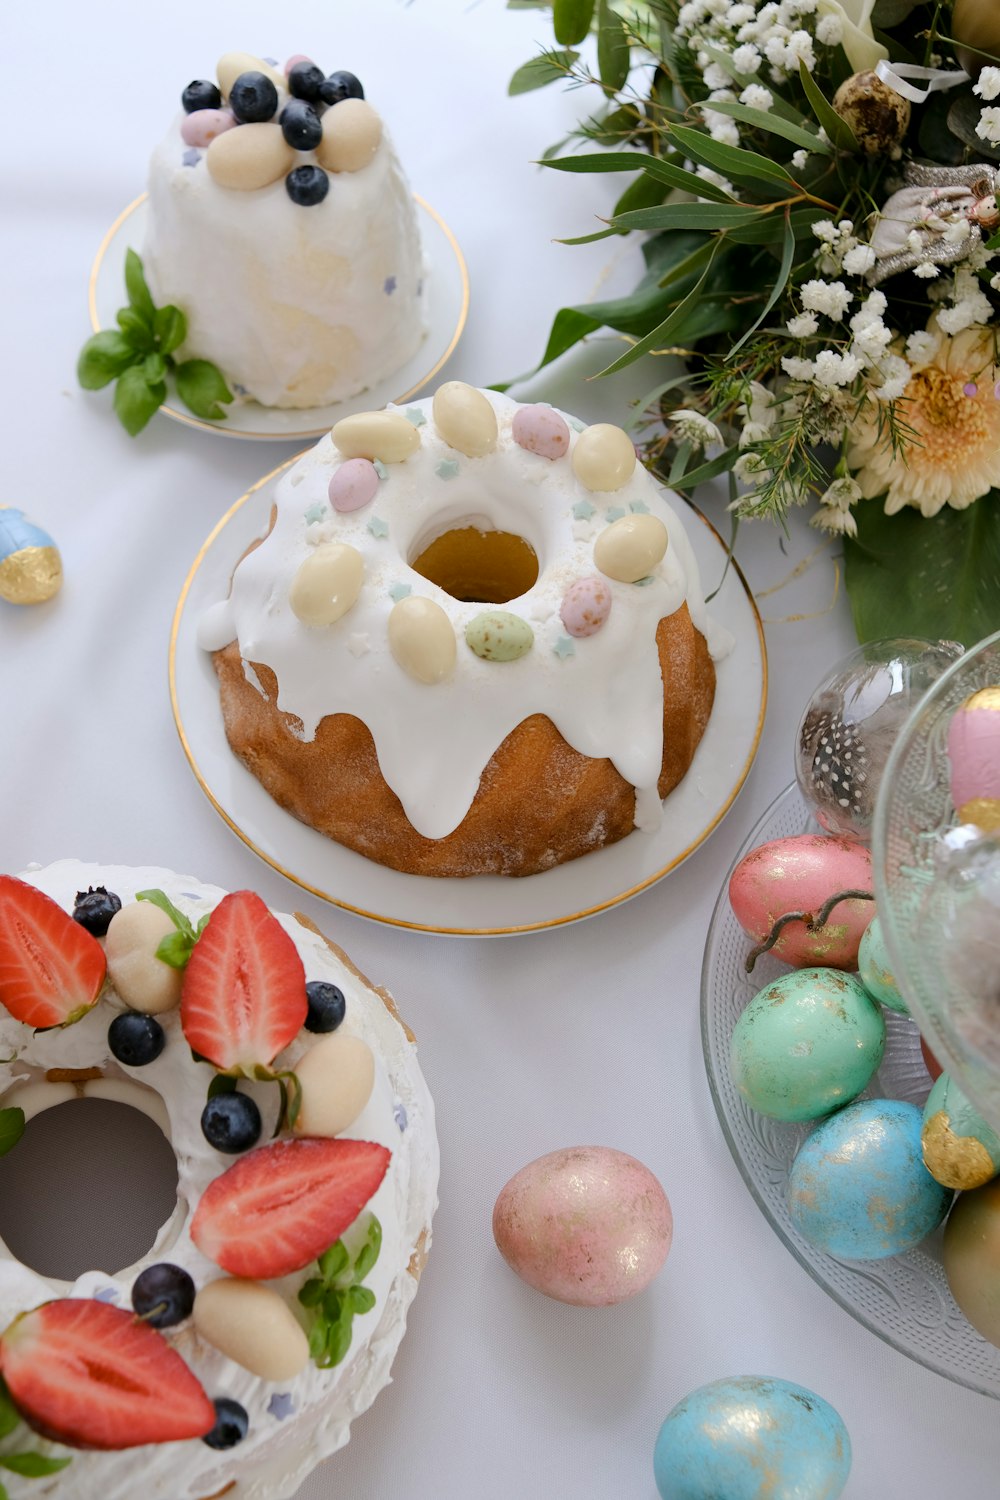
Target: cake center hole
[(479, 567), (87, 1188)]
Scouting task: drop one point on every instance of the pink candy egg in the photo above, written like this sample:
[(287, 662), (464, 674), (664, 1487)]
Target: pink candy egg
[(201, 127), (800, 874), (540, 430), (587, 1225), (354, 484), (974, 750), (297, 58), (586, 605)]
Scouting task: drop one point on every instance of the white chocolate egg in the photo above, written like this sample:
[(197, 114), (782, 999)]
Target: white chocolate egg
[(351, 134), (337, 1075), (540, 429), (232, 64), (141, 979), (327, 584), (385, 435), (422, 640), (604, 457), (251, 157), (465, 418), (630, 547), (252, 1325), (585, 606)]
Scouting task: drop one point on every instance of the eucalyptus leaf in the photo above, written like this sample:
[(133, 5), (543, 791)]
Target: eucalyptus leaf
[(733, 161), (202, 386), (665, 332), (612, 47), (170, 327), (934, 135), (644, 192), (770, 123), (32, 1465), (690, 216), (103, 358), (963, 117), (666, 172), (135, 401), (571, 20), (838, 130), (889, 13), (138, 292), (937, 576), (539, 71), (781, 281)]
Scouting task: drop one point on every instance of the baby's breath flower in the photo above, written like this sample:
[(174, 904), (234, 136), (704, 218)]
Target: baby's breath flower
[(921, 346), (833, 369), (799, 159), (691, 427), (989, 84), (927, 270), (798, 369), (829, 297), (802, 326), (756, 96), (860, 259), (988, 128), (746, 58), (830, 31), (836, 522)]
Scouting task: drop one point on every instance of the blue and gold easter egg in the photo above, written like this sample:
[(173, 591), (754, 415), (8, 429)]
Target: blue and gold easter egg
[(752, 1438), (858, 1187), (30, 565)]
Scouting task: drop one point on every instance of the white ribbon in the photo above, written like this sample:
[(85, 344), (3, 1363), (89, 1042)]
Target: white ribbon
[(896, 74)]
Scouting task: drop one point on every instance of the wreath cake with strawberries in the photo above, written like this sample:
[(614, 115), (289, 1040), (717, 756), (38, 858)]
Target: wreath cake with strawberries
[(232, 1358)]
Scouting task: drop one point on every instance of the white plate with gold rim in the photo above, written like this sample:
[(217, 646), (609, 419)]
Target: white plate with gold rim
[(447, 309), (483, 905)]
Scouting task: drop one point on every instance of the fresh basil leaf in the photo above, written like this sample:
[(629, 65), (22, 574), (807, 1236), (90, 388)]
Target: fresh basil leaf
[(334, 1260), (11, 1131), (135, 401), (9, 1415), (202, 924), (333, 1304), (175, 950), (162, 900), (571, 20), (201, 386), (317, 1342), (295, 1099), (103, 358), (338, 1340), (612, 47), (32, 1465), (138, 292), (222, 1083), (138, 332), (154, 368), (170, 327), (369, 1252), (360, 1299), (539, 71), (312, 1292)]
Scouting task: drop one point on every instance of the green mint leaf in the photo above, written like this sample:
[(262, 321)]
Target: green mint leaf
[(32, 1465), (175, 950), (135, 401), (154, 368), (9, 1416), (138, 333), (103, 358), (334, 1260), (311, 1292), (201, 386), (138, 292), (170, 327), (162, 900), (317, 1342), (11, 1131), (338, 1340), (222, 1083), (360, 1299)]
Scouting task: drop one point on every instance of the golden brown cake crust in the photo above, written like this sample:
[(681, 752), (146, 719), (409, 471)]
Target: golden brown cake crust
[(539, 803)]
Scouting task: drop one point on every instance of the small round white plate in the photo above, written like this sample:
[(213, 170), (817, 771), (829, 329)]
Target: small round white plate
[(484, 905), (447, 309)]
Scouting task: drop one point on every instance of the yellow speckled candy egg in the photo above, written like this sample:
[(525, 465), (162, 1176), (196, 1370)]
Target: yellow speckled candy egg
[(327, 584), (232, 64), (630, 548), (252, 1325), (385, 435), (465, 419), (351, 134), (422, 639), (251, 157), (586, 1225), (604, 457)]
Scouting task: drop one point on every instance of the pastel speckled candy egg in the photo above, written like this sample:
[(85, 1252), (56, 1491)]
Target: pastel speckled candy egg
[(604, 457), (586, 1225), (630, 547), (971, 1254), (327, 584), (799, 874), (858, 1187), (960, 1149), (541, 430), (875, 970), (498, 635), (353, 485), (585, 607), (201, 127), (974, 757), (752, 1437), (806, 1044)]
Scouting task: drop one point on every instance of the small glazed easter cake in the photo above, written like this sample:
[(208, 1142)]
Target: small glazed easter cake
[(473, 640), (233, 1357), (281, 224)]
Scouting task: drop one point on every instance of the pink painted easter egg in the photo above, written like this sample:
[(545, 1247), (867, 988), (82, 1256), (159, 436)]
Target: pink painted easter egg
[(586, 605), (974, 757), (201, 127), (354, 484), (799, 874), (540, 430), (586, 1225)]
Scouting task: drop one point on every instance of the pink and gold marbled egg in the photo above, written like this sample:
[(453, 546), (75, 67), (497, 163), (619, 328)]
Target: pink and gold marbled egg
[(799, 874), (541, 430), (974, 757), (586, 605), (201, 127), (586, 1225)]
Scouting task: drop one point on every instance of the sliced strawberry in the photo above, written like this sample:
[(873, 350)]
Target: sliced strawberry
[(244, 995), (93, 1376), (281, 1206), (51, 969)]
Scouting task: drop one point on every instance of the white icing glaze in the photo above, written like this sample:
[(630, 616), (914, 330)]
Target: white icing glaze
[(433, 741), (277, 1453), (289, 301)]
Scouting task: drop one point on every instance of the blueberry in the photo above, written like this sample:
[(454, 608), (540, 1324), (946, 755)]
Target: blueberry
[(253, 98), (94, 908), (340, 86), (326, 1006), (307, 185), (305, 81), (200, 94), (231, 1123), (300, 125), (163, 1295), (231, 1423), (136, 1039)]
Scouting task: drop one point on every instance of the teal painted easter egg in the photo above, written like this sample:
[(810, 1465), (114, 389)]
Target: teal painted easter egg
[(858, 1187), (752, 1438), (806, 1044), (498, 635), (875, 970), (960, 1149)]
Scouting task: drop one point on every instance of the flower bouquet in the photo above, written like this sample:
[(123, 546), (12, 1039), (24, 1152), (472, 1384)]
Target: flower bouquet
[(816, 183)]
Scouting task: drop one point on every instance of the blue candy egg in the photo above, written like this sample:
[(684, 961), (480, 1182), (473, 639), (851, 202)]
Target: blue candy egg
[(858, 1187), (752, 1438), (30, 566)]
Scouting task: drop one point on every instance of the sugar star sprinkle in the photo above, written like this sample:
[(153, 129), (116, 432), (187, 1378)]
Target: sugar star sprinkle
[(447, 468), (389, 285), (583, 510), (400, 591), (281, 1405), (564, 647), (378, 527), (357, 643), (638, 507), (415, 415), (315, 513)]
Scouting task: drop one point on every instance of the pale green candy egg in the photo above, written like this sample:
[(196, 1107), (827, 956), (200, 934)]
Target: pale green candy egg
[(498, 635)]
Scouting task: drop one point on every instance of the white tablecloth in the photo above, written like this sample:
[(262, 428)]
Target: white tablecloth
[(582, 1034)]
